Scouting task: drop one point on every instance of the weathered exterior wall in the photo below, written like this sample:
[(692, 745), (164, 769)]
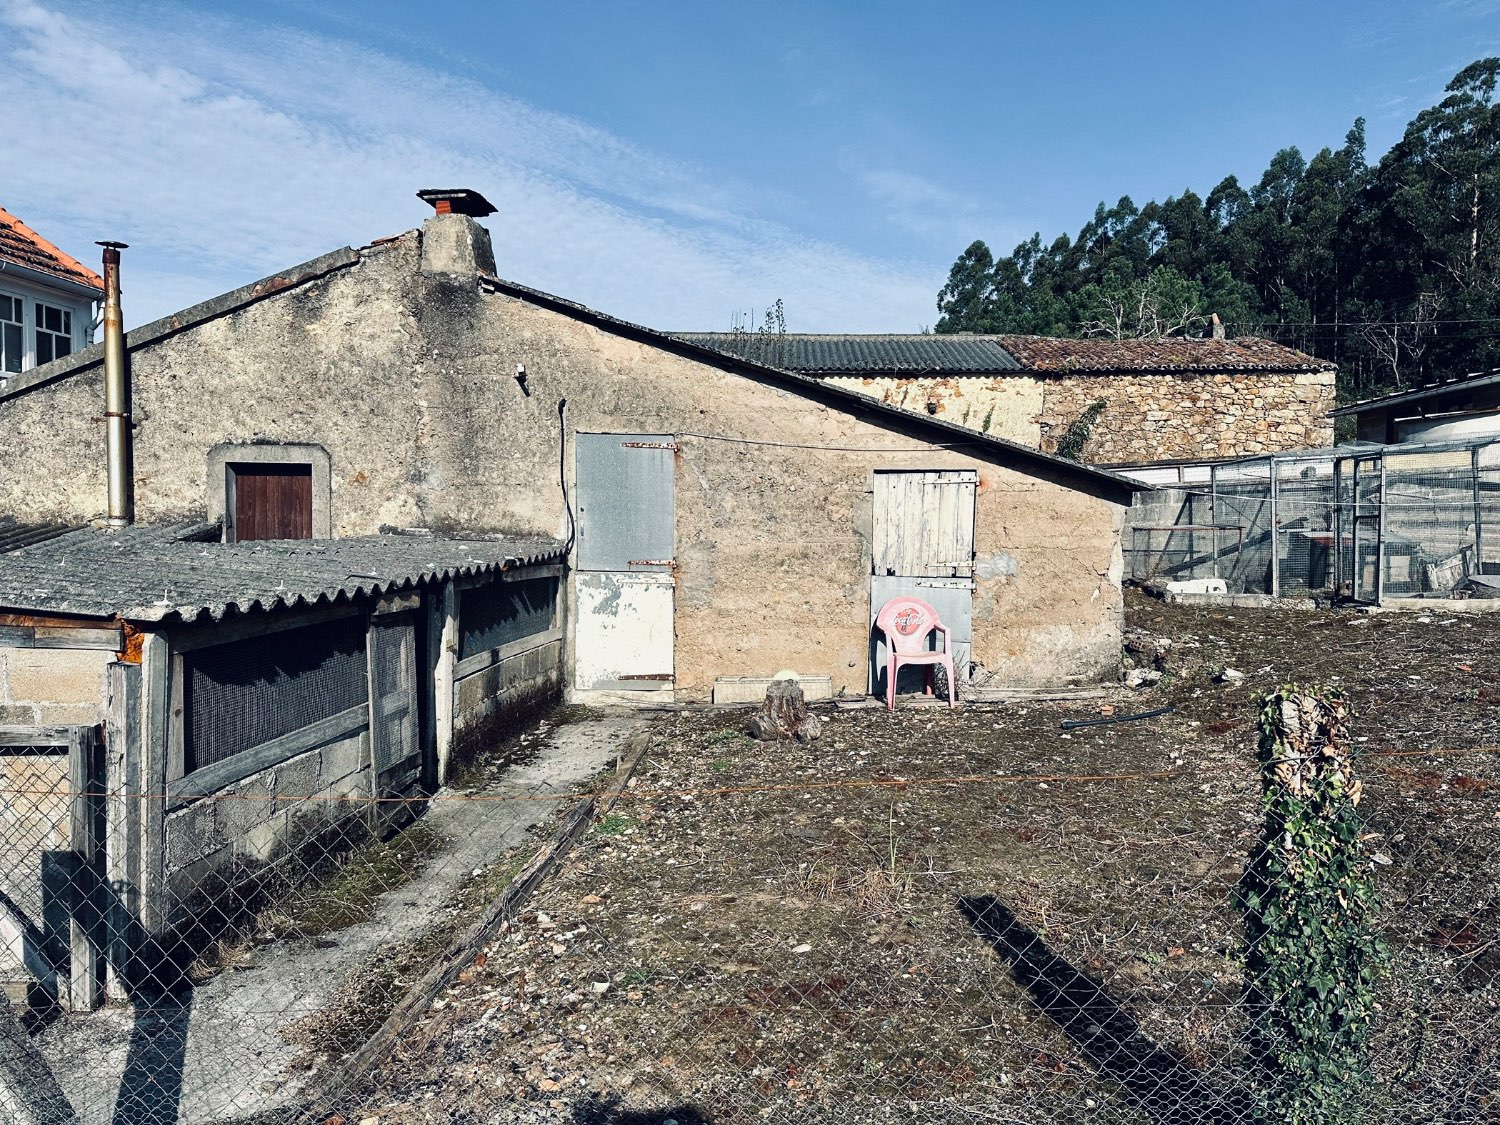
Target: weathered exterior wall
[(1004, 406), (407, 380), (1164, 417), (330, 362), (1156, 416), (253, 829), (52, 686), (516, 681)]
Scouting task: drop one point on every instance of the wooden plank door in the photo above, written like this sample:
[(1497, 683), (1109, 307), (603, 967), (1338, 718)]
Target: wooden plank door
[(269, 501)]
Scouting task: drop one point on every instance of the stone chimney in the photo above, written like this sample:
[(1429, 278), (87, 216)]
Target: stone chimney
[(1215, 327), (453, 241)]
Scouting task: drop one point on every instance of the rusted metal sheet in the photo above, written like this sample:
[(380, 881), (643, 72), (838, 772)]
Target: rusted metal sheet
[(624, 632), (626, 511)]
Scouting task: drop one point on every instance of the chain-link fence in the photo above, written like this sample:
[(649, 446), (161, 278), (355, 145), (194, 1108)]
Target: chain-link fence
[(1027, 912), (1365, 522)]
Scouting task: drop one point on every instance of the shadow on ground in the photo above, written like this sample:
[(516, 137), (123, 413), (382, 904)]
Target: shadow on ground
[(1158, 1081), (606, 1111)]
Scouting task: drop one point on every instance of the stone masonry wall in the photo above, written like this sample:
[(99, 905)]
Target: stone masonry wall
[(1162, 417), (1156, 416)]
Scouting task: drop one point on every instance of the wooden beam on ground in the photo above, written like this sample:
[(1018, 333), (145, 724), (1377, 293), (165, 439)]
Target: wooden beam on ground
[(449, 963)]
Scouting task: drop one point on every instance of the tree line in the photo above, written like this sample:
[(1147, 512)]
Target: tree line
[(1390, 270)]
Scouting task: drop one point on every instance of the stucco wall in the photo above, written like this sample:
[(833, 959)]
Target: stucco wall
[(407, 379), (1005, 406)]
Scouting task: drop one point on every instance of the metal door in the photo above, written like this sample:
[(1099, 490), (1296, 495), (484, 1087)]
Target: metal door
[(924, 547), (624, 583)]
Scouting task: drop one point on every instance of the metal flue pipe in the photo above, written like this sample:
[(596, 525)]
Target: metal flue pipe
[(116, 395)]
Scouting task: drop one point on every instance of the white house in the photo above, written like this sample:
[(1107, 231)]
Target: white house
[(47, 299)]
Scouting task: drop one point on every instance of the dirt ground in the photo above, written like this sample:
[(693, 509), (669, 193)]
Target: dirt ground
[(979, 916)]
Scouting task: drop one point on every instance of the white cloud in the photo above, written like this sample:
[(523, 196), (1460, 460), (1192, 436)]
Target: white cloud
[(225, 150)]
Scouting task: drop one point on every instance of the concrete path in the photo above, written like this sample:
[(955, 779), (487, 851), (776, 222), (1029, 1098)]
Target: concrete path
[(224, 1054)]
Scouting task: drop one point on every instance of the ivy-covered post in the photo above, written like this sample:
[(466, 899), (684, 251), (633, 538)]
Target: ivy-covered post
[(1312, 957)]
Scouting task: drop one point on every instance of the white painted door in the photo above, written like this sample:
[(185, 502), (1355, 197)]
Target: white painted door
[(624, 585)]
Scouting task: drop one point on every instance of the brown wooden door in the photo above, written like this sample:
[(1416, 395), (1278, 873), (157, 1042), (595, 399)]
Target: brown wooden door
[(271, 502)]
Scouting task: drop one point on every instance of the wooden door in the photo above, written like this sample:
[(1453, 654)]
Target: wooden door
[(269, 502)]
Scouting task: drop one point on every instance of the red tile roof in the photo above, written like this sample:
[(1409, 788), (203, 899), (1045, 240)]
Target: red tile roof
[(23, 246), (1245, 353)]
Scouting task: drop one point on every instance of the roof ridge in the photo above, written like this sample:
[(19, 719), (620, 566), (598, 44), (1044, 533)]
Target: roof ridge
[(67, 260)]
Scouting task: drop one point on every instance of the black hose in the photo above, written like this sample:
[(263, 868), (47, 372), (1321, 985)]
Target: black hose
[(1074, 724), (562, 469)]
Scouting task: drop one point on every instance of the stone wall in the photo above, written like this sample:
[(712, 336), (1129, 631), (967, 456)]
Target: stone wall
[(1157, 416), (1164, 417)]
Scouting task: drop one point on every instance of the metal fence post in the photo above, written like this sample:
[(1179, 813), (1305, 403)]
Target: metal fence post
[(1275, 529)]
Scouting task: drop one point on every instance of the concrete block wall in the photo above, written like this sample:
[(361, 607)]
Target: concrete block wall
[(517, 681), (52, 686), (271, 825)]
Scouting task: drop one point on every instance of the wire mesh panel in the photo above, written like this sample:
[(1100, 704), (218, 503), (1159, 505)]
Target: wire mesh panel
[(35, 833), (393, 663), (495, 615), (247, 692), (1242, 499), (1305, 526), (1428, 542)]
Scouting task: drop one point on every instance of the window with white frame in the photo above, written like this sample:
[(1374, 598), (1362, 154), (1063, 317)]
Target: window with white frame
[(54, 332), (12, 334)]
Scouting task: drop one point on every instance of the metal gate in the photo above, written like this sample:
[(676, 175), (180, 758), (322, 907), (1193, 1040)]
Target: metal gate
[(624, 580), (1359, 493), (924, 547)]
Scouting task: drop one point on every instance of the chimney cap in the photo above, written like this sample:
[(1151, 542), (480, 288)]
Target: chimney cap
[(457, 201)]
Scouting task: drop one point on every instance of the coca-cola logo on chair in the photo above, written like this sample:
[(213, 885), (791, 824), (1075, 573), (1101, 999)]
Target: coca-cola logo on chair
[(907, 621)]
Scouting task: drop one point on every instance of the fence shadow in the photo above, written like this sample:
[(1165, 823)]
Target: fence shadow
[(1157, 1080), (607, 1111)]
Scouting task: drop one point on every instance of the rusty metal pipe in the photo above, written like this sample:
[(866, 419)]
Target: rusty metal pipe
[(117, 457)]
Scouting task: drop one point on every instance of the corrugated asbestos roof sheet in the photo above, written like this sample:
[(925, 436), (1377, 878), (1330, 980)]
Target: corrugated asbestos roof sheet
[(23, 246), (919, 354), (1245, 353), (907, 354), (151, 574)]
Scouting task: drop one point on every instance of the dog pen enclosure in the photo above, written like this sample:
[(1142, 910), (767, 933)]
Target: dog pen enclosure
[(1367, 523)]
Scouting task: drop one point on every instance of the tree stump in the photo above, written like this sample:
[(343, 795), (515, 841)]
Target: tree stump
[(784, 715)]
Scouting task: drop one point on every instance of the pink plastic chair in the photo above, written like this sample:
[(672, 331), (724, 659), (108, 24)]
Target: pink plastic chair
[(906, 623)]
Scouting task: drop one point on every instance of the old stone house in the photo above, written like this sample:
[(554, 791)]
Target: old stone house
[(1129, 402), (405, 385), (449, 495)]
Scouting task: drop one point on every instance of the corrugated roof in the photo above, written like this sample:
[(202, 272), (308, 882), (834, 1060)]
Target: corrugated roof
[(23, 246), (893, 354), (1469, 382), (1244, 353), (963, 354), (149, 574)]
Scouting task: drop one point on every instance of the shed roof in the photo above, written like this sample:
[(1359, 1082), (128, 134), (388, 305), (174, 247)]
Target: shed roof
[(21, 245), (1457, 384), (964, 354), (156, 574), (889, 353)]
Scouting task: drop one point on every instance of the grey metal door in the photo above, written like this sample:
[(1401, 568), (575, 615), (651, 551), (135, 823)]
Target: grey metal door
[(624, 582), (924, 547)]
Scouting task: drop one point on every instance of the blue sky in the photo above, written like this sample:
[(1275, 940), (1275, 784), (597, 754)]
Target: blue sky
[(673, 163)]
